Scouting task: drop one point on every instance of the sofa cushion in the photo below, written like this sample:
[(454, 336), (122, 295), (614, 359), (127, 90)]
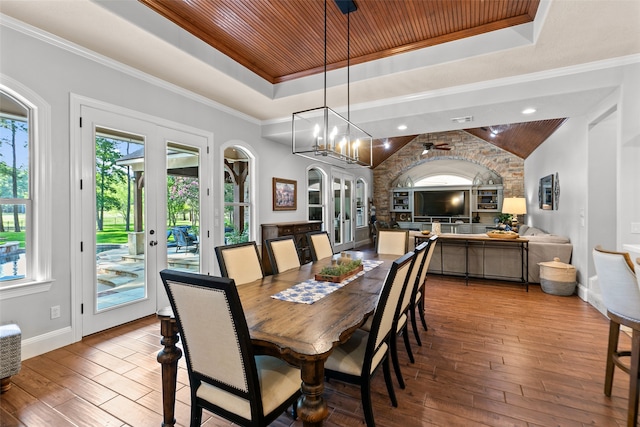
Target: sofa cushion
[(523, 229), (547, 238), (532, 231)]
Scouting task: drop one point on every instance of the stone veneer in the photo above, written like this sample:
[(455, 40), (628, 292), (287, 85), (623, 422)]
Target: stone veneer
[(464, 147)]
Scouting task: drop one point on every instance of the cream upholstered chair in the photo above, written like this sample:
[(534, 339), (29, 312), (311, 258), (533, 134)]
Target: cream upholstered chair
[(621, 295), (319, 245), (392, 242), (402, 320), (240, 262), (357, 360), (225, 376), (283, 254), (418, 297)]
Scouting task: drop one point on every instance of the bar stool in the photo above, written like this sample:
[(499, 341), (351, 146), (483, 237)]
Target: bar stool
[(621, 295)]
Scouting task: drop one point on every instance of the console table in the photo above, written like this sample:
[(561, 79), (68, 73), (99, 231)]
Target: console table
[(297, 229), (480, 244)]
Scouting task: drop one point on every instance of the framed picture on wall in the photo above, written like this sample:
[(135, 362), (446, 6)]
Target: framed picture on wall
[(285, 194), (545, 193)]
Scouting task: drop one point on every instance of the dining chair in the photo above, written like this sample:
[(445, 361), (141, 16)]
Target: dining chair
[(319, 245), (417, 301), (401, 321), (282, 253), (357, 360), (240, 262), (225, 376), (620, 289), (392, 242)]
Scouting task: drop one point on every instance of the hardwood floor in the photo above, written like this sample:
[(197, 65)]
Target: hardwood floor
[(494, 355)]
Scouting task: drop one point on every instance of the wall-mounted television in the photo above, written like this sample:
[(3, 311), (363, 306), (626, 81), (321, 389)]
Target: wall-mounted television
[(441, 203)]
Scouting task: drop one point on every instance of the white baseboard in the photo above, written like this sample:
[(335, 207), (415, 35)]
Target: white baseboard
[(44, 343)]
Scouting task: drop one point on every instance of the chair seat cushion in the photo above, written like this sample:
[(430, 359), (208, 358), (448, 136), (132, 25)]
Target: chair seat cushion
[(402, 321), (348, 358), (278, 381)]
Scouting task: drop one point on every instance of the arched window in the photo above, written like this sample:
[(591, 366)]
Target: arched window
[(25, 224), (237, 196), (315, 194)]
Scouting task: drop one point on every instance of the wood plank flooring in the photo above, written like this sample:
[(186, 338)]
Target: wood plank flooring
[(494, 355)]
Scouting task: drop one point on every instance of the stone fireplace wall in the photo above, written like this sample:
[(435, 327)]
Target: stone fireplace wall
[(465, 147)]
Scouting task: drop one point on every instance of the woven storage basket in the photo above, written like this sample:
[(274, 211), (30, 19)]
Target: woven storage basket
[(557, 278)]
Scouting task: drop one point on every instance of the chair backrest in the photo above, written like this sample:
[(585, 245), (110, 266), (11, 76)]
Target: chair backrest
[(215, 336), (319, 245), (392, 242), (240, 262), (618, 282), (433, 240), (283, 254), (389, 302), (412, 278)]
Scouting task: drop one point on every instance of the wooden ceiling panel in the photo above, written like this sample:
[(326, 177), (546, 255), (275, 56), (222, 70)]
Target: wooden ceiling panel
[(283, 39)]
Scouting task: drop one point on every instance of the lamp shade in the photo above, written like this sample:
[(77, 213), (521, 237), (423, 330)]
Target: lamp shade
[(514, 205)]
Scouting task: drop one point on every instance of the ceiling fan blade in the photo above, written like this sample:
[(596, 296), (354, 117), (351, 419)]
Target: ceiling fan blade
[(443, 148)]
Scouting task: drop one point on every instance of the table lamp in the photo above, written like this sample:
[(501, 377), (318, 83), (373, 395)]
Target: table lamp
[(514, 206)]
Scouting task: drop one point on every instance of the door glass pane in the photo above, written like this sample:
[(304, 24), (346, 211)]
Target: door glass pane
[(120, 237), (360, 203), (314, 195), (337, 221), (348, 188), (183, 208)]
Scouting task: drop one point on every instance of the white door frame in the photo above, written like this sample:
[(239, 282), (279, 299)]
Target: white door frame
[(81, 173)]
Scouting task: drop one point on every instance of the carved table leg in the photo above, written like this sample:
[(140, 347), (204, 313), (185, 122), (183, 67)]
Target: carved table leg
[(168, 357), (312, 409)]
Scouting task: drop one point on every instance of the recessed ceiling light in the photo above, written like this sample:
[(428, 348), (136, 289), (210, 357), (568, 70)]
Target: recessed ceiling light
[(528, 111), (402, 127)]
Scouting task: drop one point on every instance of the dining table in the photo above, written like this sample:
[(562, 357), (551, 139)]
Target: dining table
[(293, 317)]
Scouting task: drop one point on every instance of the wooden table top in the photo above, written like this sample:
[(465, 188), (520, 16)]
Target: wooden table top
[(291, 330)]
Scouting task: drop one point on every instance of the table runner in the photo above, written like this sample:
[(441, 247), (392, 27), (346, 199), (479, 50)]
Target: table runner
[(312, 290)]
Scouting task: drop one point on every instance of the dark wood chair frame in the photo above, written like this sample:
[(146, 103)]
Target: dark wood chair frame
[(220, 249), (312, 250), (258, 418), (364, 380), (272, 258), (418, 305)]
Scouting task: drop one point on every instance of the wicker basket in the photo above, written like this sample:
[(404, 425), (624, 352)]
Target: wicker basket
[(557, 278)]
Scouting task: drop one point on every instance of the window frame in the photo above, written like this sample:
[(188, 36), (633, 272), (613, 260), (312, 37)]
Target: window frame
[(321, 191), (39, 222)]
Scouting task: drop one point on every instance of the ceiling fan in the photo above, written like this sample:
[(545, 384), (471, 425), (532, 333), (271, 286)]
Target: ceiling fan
[(431, 146)]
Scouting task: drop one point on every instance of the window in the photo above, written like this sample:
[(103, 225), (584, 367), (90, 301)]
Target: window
[(237, 196), (315, 194), (361, 203), (25, 236)]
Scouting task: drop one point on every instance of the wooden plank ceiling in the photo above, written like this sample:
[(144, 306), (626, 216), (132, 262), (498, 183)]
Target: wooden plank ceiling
[(281, 40)]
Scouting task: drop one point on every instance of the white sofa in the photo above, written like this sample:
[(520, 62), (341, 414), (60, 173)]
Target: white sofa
[(501, 261)]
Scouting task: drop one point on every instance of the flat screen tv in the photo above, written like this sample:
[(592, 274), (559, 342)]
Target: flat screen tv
[(441, 203)]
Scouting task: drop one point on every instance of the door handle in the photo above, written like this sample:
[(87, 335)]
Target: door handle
[(153, 243)]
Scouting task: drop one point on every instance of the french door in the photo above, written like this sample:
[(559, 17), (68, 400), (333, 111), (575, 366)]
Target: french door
[(343, 218), (140, 213)]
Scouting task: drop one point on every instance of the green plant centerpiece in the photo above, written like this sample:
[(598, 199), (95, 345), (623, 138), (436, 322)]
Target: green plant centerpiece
[(339, 272)]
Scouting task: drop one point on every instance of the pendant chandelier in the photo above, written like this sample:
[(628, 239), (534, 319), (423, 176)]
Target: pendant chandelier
[(323, 135)]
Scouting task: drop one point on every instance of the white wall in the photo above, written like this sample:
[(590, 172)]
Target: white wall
[(55, 70), (608, 157)]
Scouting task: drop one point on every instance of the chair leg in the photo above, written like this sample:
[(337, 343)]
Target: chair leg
[(394, 357), (421, 311), (414, 325), (614, 334), (367, 407), (407, 344), (632, 414), (196, 415), (387, 379)]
